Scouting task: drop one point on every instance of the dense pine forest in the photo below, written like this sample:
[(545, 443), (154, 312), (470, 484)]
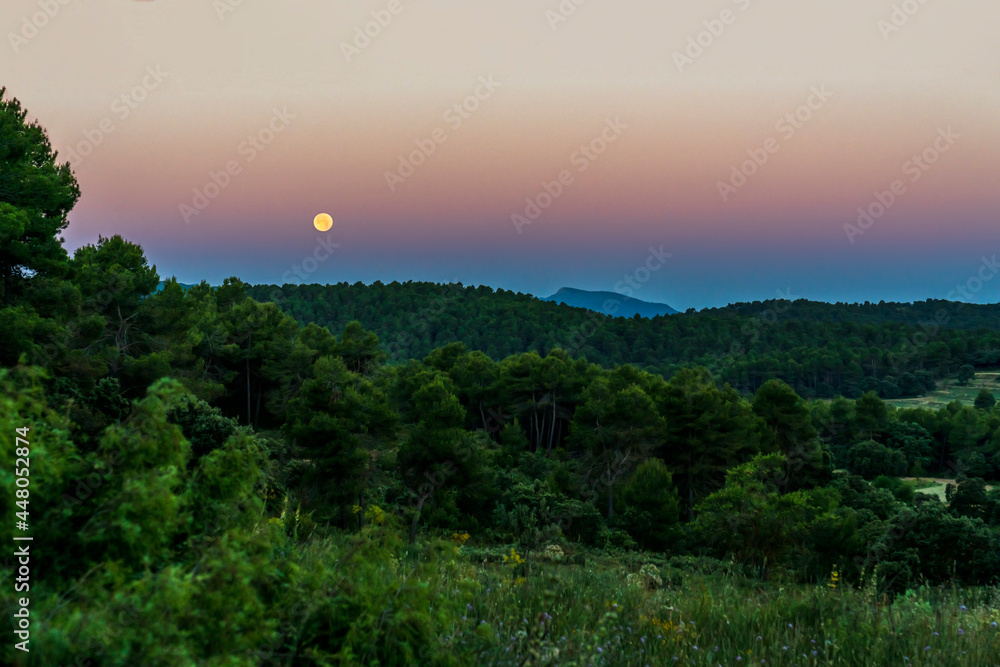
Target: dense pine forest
[(820, 350), (443, 475)]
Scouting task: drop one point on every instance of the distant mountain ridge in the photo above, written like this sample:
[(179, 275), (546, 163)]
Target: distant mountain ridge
[(609, 303)]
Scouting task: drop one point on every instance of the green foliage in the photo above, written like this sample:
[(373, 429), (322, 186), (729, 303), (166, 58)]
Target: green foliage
[(972, 500), (985, 400), (788, 429), (204, 426), (820, 350), (36, 194), (871, 415), (965, 373), (752, 522), (707, 431), (913, 440), (904, 491), (615, 429), (871, 459), (334, 417), (144, 505), (651, 506)]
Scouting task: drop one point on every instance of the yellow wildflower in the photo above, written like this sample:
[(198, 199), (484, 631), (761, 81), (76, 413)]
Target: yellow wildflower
[(514, 559), (375, 515), (834, 578)]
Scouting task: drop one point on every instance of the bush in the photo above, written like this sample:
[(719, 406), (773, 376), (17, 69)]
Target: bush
[(871, 459), (651, 505)]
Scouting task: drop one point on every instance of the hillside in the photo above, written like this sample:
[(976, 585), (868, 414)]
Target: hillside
[(927, 314), (742, 345)]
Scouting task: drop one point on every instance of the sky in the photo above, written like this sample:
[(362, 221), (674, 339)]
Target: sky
[(690, 153)]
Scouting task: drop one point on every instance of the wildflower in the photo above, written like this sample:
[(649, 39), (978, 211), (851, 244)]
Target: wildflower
[(514, 558), (600, 650), (994, 624), (375, 515), (468, 606), (962, 607), (961, 631), (927, 648)]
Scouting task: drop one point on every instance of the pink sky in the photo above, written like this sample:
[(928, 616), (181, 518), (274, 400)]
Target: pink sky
[(658, 182)]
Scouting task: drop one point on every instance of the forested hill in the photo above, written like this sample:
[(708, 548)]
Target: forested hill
[(947, 314), (800, 342)]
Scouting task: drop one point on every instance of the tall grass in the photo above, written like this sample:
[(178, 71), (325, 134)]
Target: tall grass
[(596, 614), (371, 599)]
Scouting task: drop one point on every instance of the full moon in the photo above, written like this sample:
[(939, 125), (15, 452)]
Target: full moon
[(323, 222)]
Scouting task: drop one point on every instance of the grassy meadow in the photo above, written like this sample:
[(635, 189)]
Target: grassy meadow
[(645, 611), (950, 390)]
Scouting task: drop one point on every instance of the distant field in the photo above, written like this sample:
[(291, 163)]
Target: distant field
[(951, 391), (935, 485)]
